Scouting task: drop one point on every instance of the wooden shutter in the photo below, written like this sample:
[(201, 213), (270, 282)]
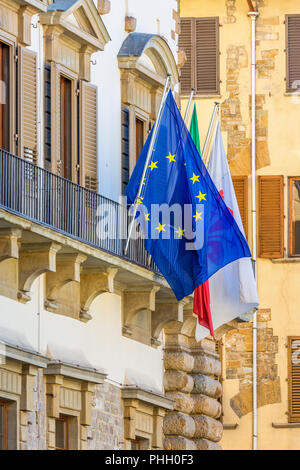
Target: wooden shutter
[(187, 44), (88, 138), (207, 56), (294, 378), (125, 148), (47, 116), (292, 52), (240, 184), (270, 226), (27, 79)]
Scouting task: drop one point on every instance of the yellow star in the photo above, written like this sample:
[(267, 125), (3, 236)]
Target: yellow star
[(171, 157), (180, 232), (147, 216), (160, 228), (153, 165), (140, 200), (144, 182), (201, 196), (195, 178), (197, 216)]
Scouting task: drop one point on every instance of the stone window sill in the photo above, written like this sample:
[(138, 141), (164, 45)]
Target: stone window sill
[(286, 260), (197, 96), (285, 425), (230, 427)]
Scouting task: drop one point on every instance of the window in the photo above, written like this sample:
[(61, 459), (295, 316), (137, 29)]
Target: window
[(61, 433), (4, 97), (65, 127), (139, 137), (199, 38), (294, 216), (3, 426), (292, 24), (270, 216), (140, 443), (240, 184), (294, 378)]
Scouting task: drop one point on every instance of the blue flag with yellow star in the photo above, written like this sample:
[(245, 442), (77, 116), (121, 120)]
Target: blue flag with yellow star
[(189, 231)]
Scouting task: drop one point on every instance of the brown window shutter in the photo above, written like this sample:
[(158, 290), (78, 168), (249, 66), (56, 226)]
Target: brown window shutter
[(27, 104), (207, 55), (240, 184), (292, 52), (187, 44), (270, 226), (88, 119), (294, 378)]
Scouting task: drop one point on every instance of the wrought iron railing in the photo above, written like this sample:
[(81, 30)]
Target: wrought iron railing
[(60, 204)]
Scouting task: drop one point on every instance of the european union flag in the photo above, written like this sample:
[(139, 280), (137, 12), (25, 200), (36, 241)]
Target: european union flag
[(189, 231)]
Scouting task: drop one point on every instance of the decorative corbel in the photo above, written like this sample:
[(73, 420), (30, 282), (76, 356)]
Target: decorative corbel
[(53, 384), (92, 284), (85, 62), (136, 299), (34, 260), (87, 394), (166, 311), (28, 374), (24, 24), (67, 272), (9, 243)]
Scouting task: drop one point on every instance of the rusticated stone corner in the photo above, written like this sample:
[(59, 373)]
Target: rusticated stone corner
[(179, 443), (190, 371), (179, 424), (205, 444), (208, 428)]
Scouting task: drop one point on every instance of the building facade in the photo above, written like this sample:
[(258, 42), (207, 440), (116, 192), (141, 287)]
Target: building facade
[(96, 353), (216, 40)]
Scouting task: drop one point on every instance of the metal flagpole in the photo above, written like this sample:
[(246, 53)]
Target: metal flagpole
[(149, 154), (210, 131), (187, 111)]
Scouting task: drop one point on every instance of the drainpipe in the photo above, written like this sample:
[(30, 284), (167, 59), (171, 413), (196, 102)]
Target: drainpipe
[(253, 15)]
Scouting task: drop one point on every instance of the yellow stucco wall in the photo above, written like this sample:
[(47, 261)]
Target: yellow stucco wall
[(278, 283)]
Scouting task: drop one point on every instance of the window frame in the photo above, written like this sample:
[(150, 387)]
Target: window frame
[(216, 92), (5, 423), (287, 79), (290, 217), (65, 420), (13, 103), (291, 417)]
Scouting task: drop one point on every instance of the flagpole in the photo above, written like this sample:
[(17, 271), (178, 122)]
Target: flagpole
[(149, 154), (187, 111), (210, 130)]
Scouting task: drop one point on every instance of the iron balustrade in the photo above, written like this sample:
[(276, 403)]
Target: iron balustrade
[(55, 202)]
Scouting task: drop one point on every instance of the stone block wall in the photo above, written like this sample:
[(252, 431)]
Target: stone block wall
[(191, 371), (106, 430), (238, 364)]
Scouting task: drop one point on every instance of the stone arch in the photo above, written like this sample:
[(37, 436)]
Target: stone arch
[(140, 48)]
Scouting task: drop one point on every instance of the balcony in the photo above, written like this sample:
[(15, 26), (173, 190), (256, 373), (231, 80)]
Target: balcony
[(51, 226), (57, 203)]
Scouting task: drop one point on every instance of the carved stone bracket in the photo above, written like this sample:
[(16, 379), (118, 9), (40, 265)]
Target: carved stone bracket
[(136, 299), (93, 284), (34, 260), (9, 254), (166, 311), (60, 299), (9, 243)]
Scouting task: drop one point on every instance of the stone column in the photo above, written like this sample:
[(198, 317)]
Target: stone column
[(191, 371)]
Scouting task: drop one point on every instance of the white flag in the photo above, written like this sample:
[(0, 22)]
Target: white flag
[(233, 288)]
